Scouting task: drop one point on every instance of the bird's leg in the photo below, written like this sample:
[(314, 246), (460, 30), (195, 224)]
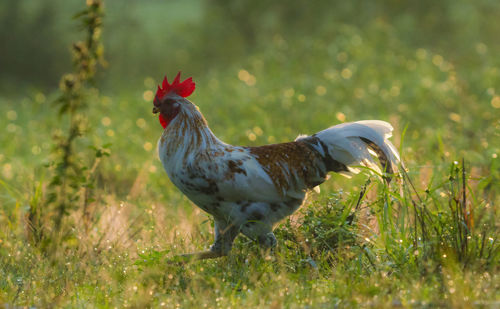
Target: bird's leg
[(267, 241), (225, 233)]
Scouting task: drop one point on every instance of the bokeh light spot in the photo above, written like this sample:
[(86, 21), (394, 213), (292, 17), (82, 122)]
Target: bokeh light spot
[(243, 75), (12, 115), (106, 121), (454, 117), (40, 97), (149, 82), (141, 123), (394, 91), (258, 131), (437, 60), (36, 149), (481, 48), (148, 95), (495, 102), (11, 128), (105, 100), (246, 77), (147, 146), (421, 53), (251, 136), (346, 73), (359, 93), (7, 171), (340, 116), (342, 57), (320, 90), (288, 93)]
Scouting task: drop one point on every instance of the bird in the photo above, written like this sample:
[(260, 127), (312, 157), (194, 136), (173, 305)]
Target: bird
[(249, 190)]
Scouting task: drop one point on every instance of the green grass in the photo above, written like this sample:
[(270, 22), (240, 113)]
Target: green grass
[(424, 242)]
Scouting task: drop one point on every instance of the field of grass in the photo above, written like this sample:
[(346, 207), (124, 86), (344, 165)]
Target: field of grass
[(429, 239)]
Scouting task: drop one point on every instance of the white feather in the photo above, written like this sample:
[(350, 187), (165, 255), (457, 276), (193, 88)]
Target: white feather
[(346, 146)]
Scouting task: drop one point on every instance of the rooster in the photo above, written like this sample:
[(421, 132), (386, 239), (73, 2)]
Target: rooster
[(249, 189)]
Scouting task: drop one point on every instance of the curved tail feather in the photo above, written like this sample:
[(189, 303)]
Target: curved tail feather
[(357, 143)]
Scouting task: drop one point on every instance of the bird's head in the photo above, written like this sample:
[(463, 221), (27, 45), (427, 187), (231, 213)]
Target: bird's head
[(170, 98)]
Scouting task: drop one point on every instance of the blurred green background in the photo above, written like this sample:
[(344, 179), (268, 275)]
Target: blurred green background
[(149, 38), (265, 72)]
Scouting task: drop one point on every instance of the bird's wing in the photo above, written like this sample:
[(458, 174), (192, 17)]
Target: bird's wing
[(238, 176)]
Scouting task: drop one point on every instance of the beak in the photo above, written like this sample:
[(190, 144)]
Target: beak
[(156, 110)]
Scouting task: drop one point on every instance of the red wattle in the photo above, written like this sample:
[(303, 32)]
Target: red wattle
[(164, 122)]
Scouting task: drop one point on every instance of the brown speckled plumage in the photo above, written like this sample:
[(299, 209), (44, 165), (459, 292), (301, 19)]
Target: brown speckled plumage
[(280, 161)]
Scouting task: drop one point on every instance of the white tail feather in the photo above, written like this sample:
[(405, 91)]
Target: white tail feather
[(355, 144)]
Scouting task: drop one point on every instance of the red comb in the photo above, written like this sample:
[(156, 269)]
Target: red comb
[(183, 89)]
